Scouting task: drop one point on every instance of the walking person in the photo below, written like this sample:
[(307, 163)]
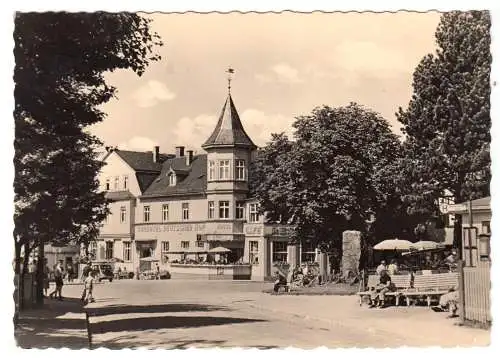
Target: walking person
[(157, 271), (89, 289), (58, 276)]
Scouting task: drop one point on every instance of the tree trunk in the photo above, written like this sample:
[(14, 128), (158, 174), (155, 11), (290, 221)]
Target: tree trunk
[(40, 273), (17, 264)]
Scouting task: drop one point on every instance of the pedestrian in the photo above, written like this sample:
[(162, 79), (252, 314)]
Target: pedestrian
[(69, 271), (88, 292), (58, 276), (157, 271)]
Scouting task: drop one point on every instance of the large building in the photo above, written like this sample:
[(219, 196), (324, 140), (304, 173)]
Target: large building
[(177, 206)]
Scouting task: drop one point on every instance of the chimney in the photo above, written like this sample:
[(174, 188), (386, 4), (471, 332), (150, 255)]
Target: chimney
[(189, 157), (156, 154), (179, 151)]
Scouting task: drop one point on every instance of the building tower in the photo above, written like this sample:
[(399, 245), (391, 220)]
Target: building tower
[(229, 151)]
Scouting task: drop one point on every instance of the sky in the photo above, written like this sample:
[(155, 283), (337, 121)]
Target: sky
[(285, 65)]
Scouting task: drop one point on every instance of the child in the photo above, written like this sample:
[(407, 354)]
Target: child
[(89, 287)]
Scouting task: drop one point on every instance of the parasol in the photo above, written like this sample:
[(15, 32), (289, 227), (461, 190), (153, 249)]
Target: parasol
[(393, 244), (219, 250), (424, 245)]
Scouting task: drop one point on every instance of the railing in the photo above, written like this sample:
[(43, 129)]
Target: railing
[(477, 286)]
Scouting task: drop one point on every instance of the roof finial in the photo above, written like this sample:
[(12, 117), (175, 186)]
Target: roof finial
[(229, 71)]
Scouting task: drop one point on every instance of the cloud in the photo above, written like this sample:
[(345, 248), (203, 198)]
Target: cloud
[(281, 72), (152, 93), (193, 132), (138, 144), (260, 125)]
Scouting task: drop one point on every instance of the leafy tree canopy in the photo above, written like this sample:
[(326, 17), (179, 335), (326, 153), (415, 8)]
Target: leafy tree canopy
[(61, 59), (337, 170), (447, 121)]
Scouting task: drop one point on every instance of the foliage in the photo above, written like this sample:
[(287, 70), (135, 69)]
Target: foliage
[(447, 121), (61, 59), (332, 175)]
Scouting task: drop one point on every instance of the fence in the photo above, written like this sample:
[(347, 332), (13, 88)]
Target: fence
[(477, 284)]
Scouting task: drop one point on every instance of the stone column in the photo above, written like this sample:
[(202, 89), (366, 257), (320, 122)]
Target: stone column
[(351, 251)]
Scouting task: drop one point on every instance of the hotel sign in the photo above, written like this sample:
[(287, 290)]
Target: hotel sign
[(200, 228), (171, 228)]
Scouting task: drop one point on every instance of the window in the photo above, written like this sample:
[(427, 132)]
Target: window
[(254, 213), (211, 210), (240, 210), (109, 250), (200, 244), (279, 251), (185, 244), (126, 251), (164, 212), (93, 249), (224, 170), (123, 214), (211, 170), (308, 252), (165, 248), (240, 169), (146, 214), (125, 182), (117, 183), (108, 184), (185, 211), (172, 179), (485, 227), (223, 209), (254, 252)]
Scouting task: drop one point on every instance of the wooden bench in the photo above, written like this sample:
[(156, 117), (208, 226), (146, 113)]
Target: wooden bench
[(431, 287), (400, 284)]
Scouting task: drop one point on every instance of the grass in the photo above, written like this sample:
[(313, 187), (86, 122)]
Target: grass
[(331, 289)]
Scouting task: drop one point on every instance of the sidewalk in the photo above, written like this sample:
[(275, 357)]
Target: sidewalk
[(57, 324), (418, 326)]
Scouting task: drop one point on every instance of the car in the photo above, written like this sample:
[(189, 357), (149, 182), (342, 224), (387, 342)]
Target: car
[(103, 271)]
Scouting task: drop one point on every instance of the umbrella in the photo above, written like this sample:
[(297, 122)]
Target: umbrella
[(219, 250), (116, 260), (393, 244), (424, 245)]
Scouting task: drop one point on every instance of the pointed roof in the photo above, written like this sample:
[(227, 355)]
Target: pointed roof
[(229, 131)]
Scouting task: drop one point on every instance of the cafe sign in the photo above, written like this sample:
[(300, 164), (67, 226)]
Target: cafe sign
[(284, 231)]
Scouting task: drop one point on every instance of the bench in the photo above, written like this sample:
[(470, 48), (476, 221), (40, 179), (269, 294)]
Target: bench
[(431, 287), (400, 284)]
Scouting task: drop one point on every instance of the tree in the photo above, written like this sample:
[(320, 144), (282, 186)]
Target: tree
[(447, 121), (331, 176), (61, 59)]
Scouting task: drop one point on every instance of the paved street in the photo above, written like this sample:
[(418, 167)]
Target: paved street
[(181, 313)]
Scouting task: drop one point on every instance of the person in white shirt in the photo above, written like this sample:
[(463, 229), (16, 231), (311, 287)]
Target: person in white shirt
[(381, 267), (393, 267), (58, 276)]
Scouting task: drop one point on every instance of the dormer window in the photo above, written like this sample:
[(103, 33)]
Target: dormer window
[(172, 179)]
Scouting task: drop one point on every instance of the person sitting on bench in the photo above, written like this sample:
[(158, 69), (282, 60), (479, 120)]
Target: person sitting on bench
[(449, 301), (378, 293)]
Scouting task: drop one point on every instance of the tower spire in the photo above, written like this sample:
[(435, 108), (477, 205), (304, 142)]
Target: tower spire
[(230, 72)]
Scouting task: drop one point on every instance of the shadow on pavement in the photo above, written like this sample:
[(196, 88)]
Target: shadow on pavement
[(45, 327), (125, 309), (168, 322)]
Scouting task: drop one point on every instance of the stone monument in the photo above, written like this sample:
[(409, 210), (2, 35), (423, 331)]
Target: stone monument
[(351, 252)]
